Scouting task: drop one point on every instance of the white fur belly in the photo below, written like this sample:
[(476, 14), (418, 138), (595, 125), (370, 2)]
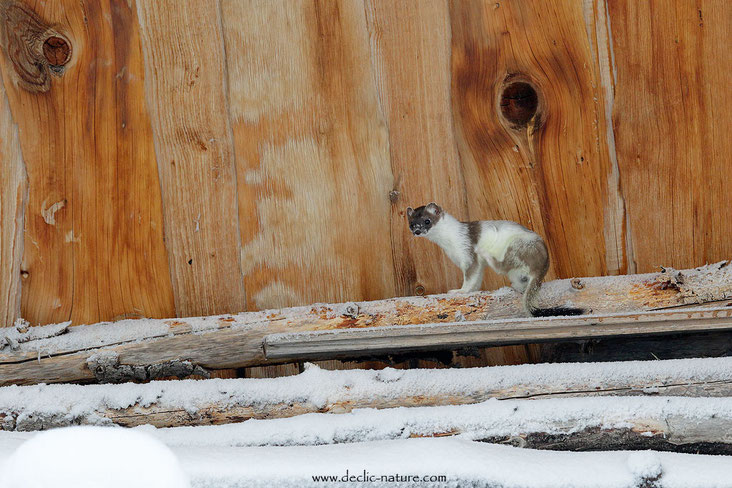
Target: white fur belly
[(452, 237), (494, 242)]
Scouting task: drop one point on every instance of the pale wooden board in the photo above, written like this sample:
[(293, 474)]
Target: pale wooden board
[(672, 125), (312, 152), (410, 50), (93, 245), (13, 195), (185, 88)]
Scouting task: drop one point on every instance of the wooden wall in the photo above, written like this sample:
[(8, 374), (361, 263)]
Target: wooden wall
[(171, 157)]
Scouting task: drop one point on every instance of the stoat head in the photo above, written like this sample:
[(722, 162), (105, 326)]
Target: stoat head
[(423, 219)]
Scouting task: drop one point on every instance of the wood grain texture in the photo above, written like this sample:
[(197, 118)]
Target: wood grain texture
[(550, 171), (185, 87), (410, 49), (312, 153), (275, 371), (618, 238), (93, 226), (672, 124), (13, 196)]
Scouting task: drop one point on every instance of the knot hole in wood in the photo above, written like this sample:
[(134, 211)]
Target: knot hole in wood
[(35, 48), (57, 51), (519, 103)]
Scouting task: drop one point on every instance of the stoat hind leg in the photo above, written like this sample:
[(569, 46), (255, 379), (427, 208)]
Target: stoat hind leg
[(526, 263), (519, 278)]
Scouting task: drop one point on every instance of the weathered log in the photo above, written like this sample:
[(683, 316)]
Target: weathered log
[(380, 340), (144, 349), (598, 423), (211, 402)]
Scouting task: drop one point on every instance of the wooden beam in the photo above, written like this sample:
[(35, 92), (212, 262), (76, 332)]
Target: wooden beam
[(145, 349), (183, 403), (384, 340)]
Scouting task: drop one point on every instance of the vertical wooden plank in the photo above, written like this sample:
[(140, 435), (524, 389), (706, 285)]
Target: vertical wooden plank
[(13, 199), (312, 153), (618, 245), (672, 125), (289, 369), (411, 54), (93, 229), (528, 111), (185, 86)]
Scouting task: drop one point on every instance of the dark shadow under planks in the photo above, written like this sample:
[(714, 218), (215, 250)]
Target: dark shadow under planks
[(674, 346)]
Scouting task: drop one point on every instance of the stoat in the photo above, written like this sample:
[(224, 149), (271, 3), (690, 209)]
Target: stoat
[(507, 247)]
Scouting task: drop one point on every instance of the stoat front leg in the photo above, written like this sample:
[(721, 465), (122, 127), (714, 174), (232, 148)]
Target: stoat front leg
[(472, 277)]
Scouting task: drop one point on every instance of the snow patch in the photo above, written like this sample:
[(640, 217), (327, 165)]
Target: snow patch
[(92, 457)]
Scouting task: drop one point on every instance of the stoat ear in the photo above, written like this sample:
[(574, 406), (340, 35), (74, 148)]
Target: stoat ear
[(434, 208), (410, 211)]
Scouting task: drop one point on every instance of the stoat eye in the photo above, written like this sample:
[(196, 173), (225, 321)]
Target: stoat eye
[(427, 222)]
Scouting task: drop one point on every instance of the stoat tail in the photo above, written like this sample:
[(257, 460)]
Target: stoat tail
[(530, 296)]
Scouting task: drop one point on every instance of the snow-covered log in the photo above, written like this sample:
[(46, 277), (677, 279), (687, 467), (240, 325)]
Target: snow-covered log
[(679, 424), (219, 401), (151, 348), (597, 423)]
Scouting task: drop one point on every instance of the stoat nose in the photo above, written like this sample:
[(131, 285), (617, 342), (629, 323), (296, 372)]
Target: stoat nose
[(417, 232)]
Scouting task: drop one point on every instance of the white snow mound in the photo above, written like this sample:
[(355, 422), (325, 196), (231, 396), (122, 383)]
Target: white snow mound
[(92, 457)]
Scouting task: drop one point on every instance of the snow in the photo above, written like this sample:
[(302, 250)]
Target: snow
[(490, 419), (92, 457), (645, 465), (283, 453), (462, 462), (22, 332), (316, 388)]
